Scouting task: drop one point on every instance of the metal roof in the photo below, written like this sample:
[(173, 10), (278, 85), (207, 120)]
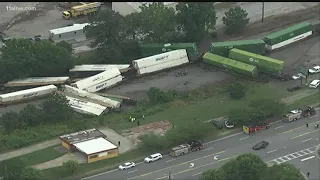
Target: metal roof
[(75, 27), (95, 146), (85, 107), (238, 43), (98, 67), (33, 90), (38, 80), (288, 30)]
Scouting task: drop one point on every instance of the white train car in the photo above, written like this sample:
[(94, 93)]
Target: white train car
[(106, 84), (37, 81), (27, 94), (104, 101), (96, 79), (85, 107), (87, 70), (163, 66), (160, 58)]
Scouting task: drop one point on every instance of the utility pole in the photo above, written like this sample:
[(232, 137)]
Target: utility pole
[(262, 12)]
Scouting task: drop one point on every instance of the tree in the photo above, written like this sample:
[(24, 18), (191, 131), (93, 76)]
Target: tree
[(239, 115), (244, 167), (110, 33), (56, 108), (22, 58), (30, 173), (196, 19), (70, 166), (237, 90), (11, 121), (213, 174), (157, 23), (65, 45), (30, 115), (12, 169), (283, 171), (235, 20)]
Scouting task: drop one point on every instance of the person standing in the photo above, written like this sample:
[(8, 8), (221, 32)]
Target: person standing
[(143, 117), (119, 143), (138, 123)]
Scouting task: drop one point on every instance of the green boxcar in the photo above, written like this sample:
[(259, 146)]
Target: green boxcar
[(154, 49), (223, 48), (230, 64), (288, 33), (263, 63)]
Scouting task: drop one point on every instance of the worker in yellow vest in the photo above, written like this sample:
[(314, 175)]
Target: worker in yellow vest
[(133, 119), (130, 119)]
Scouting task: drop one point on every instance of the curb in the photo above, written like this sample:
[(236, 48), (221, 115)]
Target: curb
[(316, 152), (305, 176)]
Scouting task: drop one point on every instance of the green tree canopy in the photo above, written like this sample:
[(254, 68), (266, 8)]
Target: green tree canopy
[(235, 20), (11, 121), (244, 167), (196, 19), (157, 23), (70, 166), (283, 171), (30, 173), (30, 115), (237, 90), (213, 174)]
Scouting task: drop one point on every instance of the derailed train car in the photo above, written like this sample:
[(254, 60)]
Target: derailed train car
[(287, 36), (263, 63), (230, 65), (222, 48), (154, 49)]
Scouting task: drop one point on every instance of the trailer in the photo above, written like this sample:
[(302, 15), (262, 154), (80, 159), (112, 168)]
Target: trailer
[(154, 49), (94, 98), (299, 114), (87, 70), (105, 84), (96, 79), (222, 48), (27, 94), (85, 107), (38, 81), (287, 36), (186, 148), (160, 59), (163, 66), (263, 63), (255, 127), (230, 65)]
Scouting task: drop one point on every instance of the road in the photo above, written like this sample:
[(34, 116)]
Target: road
[(284, 139)]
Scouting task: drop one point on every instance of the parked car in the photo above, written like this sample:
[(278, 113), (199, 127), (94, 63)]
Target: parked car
[(314, 84), (216, 123), (314, 70), (127, 165), (260, 145), (228, 124), (297, 76), (153, 157)]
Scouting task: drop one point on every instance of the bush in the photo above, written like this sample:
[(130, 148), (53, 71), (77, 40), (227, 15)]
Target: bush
[(237, 91), (156, 95), (70, 166)]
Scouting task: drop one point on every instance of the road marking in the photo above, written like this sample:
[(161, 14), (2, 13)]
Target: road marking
[(196, 174), (170, 160), (307, 158), (297, 128), (307, 140), (99, 174), (272, 151), (199, 167), (279, 127), (133, 171), (207, 149), (178, 165), (244, 138), (294, 155), (305, 134)]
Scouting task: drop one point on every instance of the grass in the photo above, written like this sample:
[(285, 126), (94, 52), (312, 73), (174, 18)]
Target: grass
[(36, 157), (312, 100)]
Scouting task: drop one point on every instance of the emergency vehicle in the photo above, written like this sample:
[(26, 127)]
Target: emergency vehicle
[(298, 114), (255, 127), (186, 148)]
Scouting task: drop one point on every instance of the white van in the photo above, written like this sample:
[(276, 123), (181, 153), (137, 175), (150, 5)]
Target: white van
[(314, 84)]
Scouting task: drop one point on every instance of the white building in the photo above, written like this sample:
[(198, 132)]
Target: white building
[(125, 8), (76, 31)]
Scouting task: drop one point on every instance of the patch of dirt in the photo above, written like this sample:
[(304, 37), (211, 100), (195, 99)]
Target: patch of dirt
[(159, 128), (291, 99)]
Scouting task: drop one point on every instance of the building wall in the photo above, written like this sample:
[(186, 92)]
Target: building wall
[(65, 145), (67, 36), (102, 155)]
